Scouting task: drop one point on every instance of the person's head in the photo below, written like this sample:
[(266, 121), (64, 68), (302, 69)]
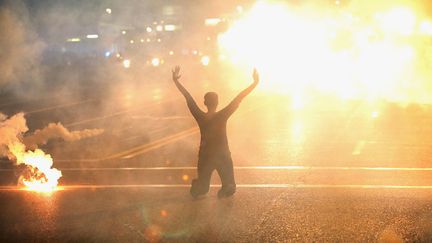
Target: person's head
[(211, 100)]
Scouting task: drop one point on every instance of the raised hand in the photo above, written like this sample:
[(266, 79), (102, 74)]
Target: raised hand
[(255, 76), (176, 73)]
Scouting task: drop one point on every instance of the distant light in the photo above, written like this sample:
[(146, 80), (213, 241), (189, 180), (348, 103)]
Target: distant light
[(159, 40), (425, 28), (107, 53), (375, 114), (92, 36), (73, 40), (155, 22), (149, 29), (337, 2), (169, 27), (108, 10), (195, 52), (208, 38), (126, 63), (212, 21), (185, 177), (155, 62), (205, 60), (123, 32), (131, 41), (239, 9), (118, 55), (171, 53), (148, 40), (142, 40), (159, 28)]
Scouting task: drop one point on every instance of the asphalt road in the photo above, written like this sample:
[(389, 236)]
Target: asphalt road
[(252, 215), (331, 171)]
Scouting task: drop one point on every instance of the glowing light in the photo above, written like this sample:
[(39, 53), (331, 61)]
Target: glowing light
[(212, 21), (41, 177), (155, 61), (159, 28), (142, 40), (239, 9), (131, 41), (149, 29), (205, 60), (398, 20), (315, 53), (185, 177), (92, 36), (425, 28), (159, 40), (126, 63), (163, 213), (170, 27), (123, 32), (171, 53), (107, 53), (108, 10), (375, 114), (148, 40), (73, 40)]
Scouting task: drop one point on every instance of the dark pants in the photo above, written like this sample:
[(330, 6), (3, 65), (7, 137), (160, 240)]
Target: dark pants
[(223, 164)]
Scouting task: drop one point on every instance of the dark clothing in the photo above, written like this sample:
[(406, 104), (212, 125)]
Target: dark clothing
[(214, 153)]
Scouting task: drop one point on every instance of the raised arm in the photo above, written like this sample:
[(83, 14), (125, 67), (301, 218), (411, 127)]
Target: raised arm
[(194, 109), (233, 105)]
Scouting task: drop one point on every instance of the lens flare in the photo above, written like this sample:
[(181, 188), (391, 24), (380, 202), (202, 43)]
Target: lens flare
[(349, 54)]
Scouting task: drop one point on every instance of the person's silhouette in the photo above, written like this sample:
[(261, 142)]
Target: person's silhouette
[(214, 153)]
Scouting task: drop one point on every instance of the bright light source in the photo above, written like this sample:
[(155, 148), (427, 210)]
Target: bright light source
[(159, 40), (126, 63), (123, 32), (108, 10), (118, 55), (195, 52), (131, 41), (212, 21), (239, 9), (159, 28), (425, 28), (155, 62), (149, 29), (205, 60), (148, 40), (73, 40), (169, 27), (398, 20), (142, 40), (92, 36), (171, 53), (107, 53), (375, 114)]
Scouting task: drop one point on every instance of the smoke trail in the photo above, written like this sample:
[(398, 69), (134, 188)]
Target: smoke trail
[(57, 130)]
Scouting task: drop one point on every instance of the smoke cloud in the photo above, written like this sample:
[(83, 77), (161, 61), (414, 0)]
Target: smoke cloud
[(21, 48), (11, 131), (57, 131)]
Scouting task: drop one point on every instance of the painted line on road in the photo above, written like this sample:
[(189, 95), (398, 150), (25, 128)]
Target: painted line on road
[(130, 153), (72, 124), (324, 186), (59, 106), (288, 167)]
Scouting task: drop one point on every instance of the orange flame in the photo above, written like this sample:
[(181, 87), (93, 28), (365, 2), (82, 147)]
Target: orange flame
[(41, 176)]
